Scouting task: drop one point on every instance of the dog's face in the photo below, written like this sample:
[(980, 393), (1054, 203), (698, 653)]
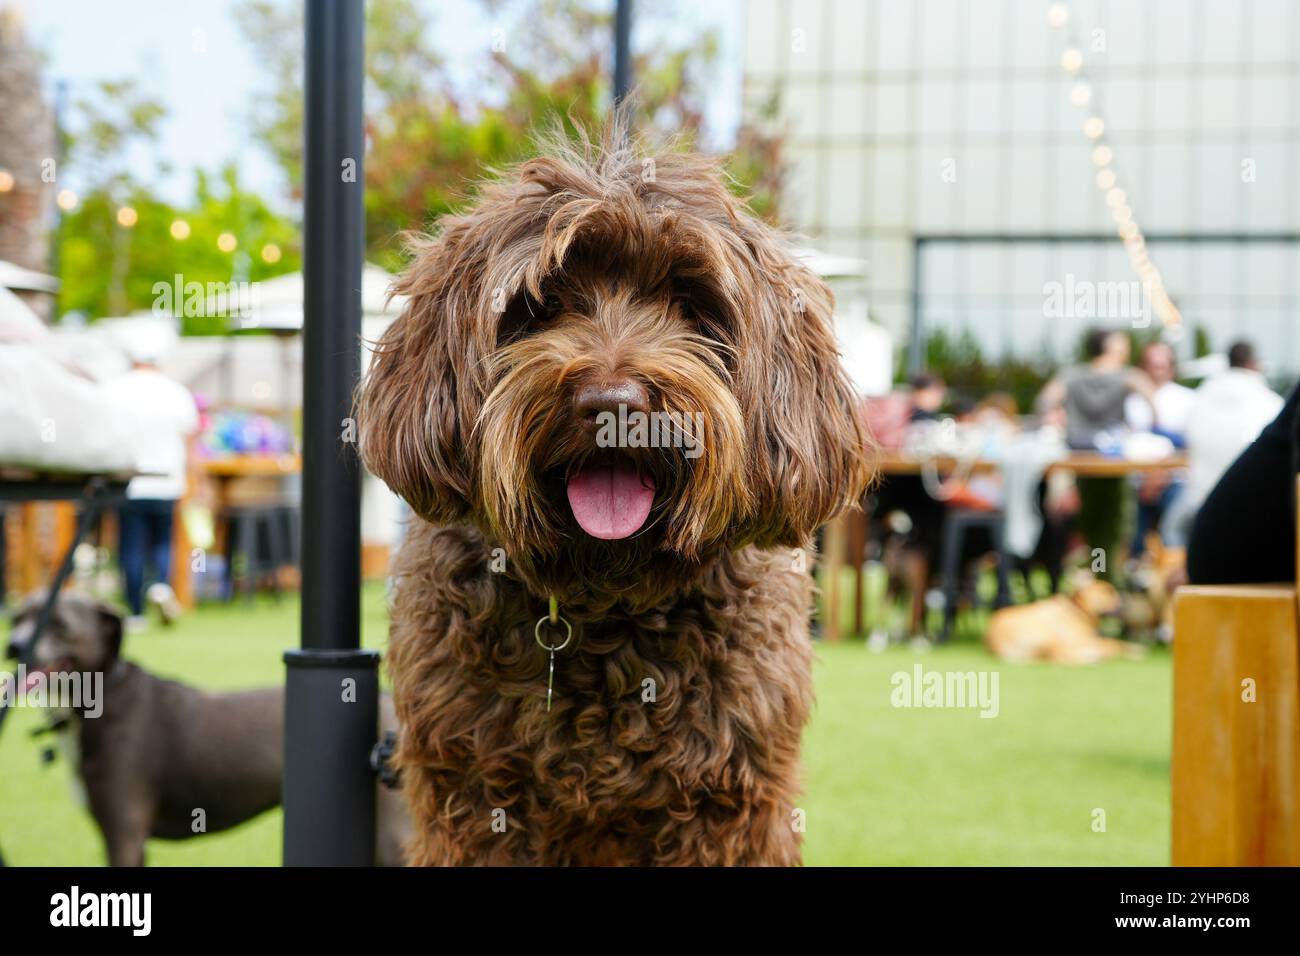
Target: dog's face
[(1096, 598), (83, 635), (608, 362)]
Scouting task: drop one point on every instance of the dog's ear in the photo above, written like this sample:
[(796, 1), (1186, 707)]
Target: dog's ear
[(420, 398), (811, 454), (109, 621)]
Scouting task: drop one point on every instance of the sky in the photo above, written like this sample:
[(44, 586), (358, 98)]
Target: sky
[(192, 56)]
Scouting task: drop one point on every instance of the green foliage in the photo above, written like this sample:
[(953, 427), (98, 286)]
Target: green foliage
[(429, 145), (109, 269), (960, 362), (113, 117), (1201, 348), (91, 240), (758, 162)]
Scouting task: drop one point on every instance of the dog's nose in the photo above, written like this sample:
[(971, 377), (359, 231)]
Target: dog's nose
[(593, 400)]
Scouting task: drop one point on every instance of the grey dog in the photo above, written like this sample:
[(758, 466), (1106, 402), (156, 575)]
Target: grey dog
[(158, 751)]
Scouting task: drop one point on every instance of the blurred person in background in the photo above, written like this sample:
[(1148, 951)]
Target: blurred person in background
[(1231, 412), (1170, 404), (1167, 415), (168, 418), (910, 543), (1094, 396), (928, 395)]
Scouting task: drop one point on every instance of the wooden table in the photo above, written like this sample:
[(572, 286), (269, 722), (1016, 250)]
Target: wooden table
[(221, 471), (79, 499), (251, 466), (847, 535), (1083, 464)]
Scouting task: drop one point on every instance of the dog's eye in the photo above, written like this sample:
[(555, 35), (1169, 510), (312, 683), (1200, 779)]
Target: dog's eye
[(553, 307)]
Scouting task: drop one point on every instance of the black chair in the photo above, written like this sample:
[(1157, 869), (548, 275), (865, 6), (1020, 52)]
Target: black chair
[(957, 523), (260, 539)]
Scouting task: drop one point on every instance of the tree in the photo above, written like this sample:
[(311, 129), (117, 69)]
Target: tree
[(115, 117), (112, 137), (27, 146), (428, 144), (155, 254)]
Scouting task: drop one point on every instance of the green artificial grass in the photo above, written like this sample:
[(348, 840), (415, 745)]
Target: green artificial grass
[(884, 784), (909, 786)]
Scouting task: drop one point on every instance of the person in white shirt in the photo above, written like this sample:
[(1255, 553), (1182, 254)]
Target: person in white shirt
[(165, 417), (1228, 413), (1165, 414), (1170, 406)]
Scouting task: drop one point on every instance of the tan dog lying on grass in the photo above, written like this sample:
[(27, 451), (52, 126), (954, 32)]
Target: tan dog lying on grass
[(1060, 628)]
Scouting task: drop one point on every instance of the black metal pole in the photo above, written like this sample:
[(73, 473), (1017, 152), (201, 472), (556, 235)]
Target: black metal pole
[(622, 50), (331, 687), (916, 347)]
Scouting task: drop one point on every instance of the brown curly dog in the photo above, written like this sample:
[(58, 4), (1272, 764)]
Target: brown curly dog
[(592, 285)]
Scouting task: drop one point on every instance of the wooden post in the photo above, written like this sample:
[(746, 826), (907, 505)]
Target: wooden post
[(1236, 754), (832, 564)]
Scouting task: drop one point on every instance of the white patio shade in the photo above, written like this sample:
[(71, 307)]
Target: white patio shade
[(277, 304), (830, 266), (13, 276)]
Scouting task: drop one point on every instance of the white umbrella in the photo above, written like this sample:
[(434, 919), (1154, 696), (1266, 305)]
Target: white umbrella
[(830, 266), (18, 323), (13, 276), (276, 305)]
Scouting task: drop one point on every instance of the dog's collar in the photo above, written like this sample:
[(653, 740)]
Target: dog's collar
[(553, 619)]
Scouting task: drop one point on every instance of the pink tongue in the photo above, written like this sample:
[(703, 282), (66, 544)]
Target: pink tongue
[(610, 501)]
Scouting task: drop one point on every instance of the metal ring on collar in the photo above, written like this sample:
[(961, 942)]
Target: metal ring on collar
[(568, 634)]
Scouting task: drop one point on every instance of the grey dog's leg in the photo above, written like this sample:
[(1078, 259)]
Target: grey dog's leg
[(126, 849), (126, 824)]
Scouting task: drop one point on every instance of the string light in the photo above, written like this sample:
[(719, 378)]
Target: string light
[(180, 229), (1103, 155), (67, 200), (227, 242), (127, 217), (6, 180), (271, 253)]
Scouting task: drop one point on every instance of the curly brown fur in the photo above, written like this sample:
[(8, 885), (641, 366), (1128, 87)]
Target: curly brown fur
[(585, 266)]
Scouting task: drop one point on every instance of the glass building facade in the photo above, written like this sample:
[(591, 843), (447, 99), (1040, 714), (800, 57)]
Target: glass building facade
[(943, 142)]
